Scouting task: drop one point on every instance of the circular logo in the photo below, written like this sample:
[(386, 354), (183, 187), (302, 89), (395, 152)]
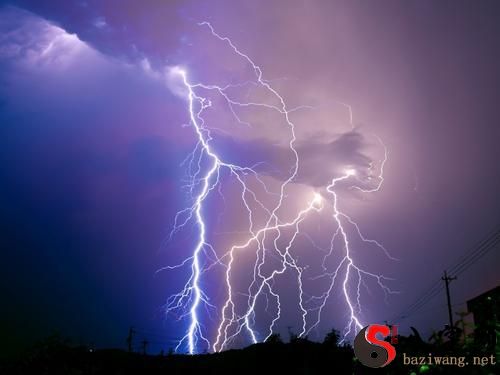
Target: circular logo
[(372, 351)]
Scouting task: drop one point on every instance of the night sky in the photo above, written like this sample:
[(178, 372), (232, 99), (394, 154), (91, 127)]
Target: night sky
[(93, 133)]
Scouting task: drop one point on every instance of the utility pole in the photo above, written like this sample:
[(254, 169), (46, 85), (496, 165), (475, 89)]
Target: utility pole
[(130, 338), (144, 346), (447, 281)]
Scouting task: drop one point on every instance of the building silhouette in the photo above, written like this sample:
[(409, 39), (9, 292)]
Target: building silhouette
[(485, 309)]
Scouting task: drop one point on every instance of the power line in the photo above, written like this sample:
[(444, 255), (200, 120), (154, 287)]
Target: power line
[(466, 261), (436, 288), (473, 258), (421, 301)]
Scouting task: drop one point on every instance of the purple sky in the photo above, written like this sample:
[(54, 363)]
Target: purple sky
[(92, 138)]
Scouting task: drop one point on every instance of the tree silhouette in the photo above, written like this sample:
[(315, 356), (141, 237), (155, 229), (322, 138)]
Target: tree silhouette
[(275, 338), (332, 338)]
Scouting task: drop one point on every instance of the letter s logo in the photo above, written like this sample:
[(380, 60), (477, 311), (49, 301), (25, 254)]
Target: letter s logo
[(372, 351)]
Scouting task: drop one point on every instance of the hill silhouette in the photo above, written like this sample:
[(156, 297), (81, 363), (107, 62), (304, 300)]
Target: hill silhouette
[(56, 356)]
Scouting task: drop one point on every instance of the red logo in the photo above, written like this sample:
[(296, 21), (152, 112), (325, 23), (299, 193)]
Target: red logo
[(371, 350)]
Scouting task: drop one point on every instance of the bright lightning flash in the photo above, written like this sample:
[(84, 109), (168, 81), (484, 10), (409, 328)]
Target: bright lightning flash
[(317, 198), (205, 168)]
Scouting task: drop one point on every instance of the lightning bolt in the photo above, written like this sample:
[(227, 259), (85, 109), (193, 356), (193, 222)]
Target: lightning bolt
[(204, 169)]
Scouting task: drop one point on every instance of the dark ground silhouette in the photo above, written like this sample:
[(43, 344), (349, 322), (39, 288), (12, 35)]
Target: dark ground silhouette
[(56, 356)]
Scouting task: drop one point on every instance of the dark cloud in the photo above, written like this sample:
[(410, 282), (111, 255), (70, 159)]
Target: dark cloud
[(121, 28), (320, 162), (321, 158), (87, 154)]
